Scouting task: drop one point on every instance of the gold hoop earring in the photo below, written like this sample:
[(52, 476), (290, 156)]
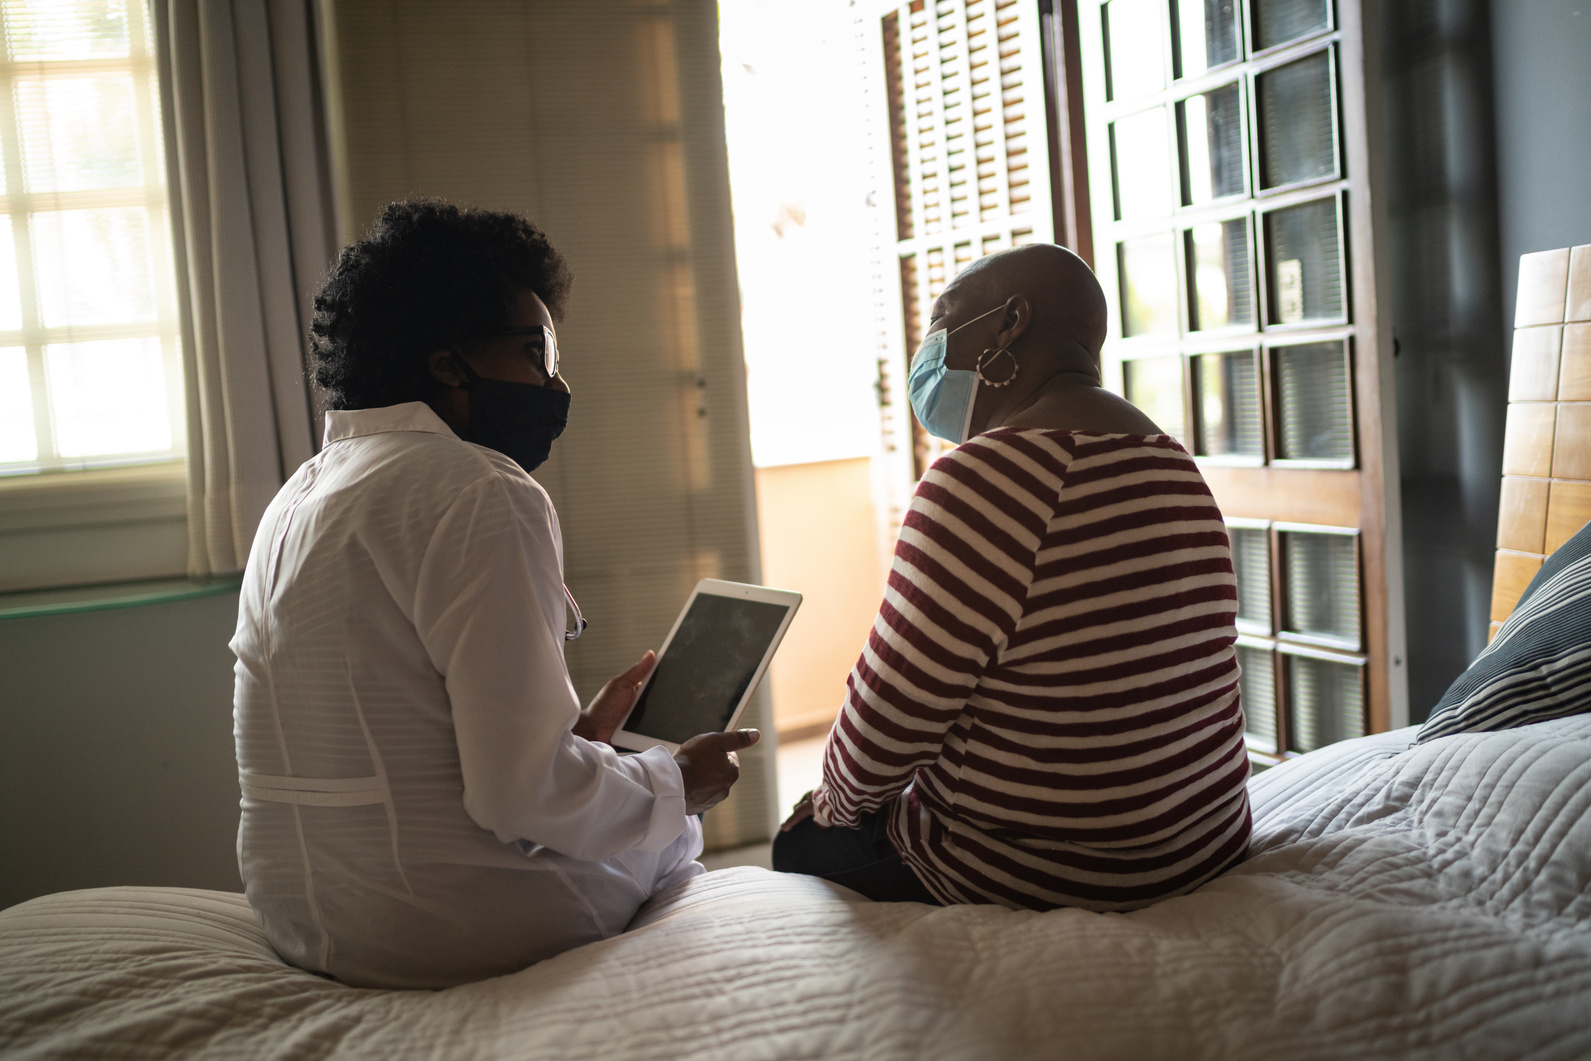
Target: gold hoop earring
[(987, 358)]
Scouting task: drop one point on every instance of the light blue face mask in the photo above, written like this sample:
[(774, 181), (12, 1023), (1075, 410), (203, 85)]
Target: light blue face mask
[(942, 397)]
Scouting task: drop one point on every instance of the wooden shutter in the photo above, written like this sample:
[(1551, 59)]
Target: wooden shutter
[(968, 170), (1229, 161)]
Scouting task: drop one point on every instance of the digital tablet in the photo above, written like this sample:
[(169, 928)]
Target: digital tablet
[(709, 665)]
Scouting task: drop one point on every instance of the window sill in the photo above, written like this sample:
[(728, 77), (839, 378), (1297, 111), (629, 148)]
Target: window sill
[(28, 604), (53, 500), (93, 527)]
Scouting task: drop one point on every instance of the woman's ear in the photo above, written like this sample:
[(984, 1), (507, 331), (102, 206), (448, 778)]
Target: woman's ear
[(443, 369), (1015, 320)]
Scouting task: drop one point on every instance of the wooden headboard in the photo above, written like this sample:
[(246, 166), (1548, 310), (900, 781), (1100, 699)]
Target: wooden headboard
[(1547, 445)]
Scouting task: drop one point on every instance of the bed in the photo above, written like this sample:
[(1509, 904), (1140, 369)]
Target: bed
[(1401, 900)]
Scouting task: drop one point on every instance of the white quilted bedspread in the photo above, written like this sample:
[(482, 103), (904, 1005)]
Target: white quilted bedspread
[(1399, 902)]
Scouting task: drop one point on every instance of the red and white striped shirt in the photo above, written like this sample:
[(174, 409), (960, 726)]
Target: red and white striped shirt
[(1048, 702)]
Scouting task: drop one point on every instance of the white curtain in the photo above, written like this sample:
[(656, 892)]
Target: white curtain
[(253, 223)]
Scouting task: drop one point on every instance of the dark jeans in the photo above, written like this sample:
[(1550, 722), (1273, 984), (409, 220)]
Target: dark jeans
[(861, 859)]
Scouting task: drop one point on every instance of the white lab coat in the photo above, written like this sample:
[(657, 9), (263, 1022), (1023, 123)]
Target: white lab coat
[(416, 811)]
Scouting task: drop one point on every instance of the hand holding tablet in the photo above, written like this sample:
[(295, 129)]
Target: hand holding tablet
[(709, 765), (709, 667)]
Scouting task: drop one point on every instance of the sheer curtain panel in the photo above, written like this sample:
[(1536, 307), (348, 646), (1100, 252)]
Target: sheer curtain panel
[(254, 230)]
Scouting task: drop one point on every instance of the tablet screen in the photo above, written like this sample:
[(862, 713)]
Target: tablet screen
[(706, 668)]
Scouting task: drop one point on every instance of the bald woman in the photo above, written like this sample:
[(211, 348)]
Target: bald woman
[(1046, 712)]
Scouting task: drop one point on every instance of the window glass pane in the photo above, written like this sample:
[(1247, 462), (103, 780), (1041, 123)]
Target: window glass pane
[(1221, 282), (1321, 575), (1251, 560), (1325, 702), (1148, 284), (108, 397), (1143, 166), (1297, 130), (10, 291), (1212, 145), (1257, 689), (1154, 384), (1134, 45), (17, 440), (79, 133), (94, 266), (1279, 21), (1227, 404), (1315, 405), (1206, 34), (49, 29), (1305, 263)]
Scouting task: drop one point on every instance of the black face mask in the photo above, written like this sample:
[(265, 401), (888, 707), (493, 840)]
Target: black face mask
[(518, 420)]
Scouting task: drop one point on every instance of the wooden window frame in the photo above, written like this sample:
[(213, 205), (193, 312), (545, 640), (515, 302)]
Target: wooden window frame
[(1361, 494)]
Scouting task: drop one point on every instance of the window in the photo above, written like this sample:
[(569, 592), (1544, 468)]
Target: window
[(92, 408), (90, 366), (1227, 143)]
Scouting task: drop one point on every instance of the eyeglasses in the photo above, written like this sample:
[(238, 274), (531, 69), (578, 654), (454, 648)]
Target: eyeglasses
[(549, 345)]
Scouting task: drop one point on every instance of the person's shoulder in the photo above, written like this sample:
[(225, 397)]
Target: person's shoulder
[(1150, 458), (1037, 449), (1065, 446), (1048, 457), (1116, 446), (1138, 470), (487, 492), (498, 479), (505, 471), (445, 464), (1010, 461), (433, 469)]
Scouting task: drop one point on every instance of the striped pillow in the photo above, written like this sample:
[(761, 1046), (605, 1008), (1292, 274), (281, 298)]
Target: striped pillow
[(1539, 665)]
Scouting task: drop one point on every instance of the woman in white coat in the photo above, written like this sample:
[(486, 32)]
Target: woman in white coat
[(425, 802)]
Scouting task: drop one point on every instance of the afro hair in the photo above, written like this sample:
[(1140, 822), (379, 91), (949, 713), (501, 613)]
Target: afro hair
[(429, 276)]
